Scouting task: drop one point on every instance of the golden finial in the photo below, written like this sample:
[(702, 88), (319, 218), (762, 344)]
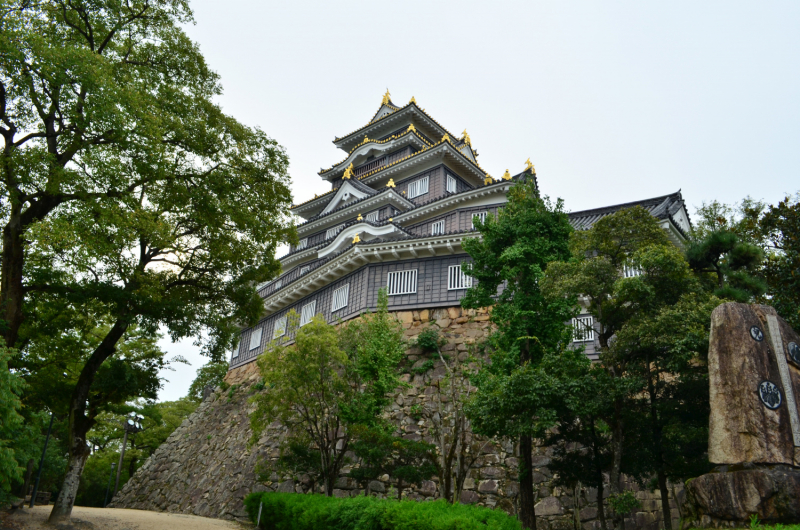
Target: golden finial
[(403, 192), (529, 165), (465, 137), (359, 218), (386, 98), (348, 172), (488, 180), (446, 137), (390, 184), (356, 239), (506, 175), (390, 219), (411, 128), (412, 100)]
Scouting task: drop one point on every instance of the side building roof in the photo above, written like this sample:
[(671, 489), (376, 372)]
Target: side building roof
[(671, 207)]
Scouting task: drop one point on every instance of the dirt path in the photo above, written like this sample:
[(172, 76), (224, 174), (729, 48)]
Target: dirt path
[(120, 519)]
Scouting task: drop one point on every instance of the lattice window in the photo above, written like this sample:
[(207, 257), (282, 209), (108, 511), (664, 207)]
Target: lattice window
[(583, 329), (418, 187), (437, 228), (307, 313), (340, 297), (305, 269), (331, 232), (302, 244), (280, 328), (255, 338), (452, 184), (372, 217), (402, 282), (456, 279), (235, 350), (479, 215), (631, 271)]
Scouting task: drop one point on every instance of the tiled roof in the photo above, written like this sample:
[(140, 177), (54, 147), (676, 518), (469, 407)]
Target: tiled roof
[(371, 140), (659, 207), (349, 204)]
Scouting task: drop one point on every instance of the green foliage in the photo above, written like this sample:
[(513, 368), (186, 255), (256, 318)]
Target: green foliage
[(429, 340), (732, 262), (425, 367), (210, 374), (623, 503), (288, 511), (11, 421), (781, 228)]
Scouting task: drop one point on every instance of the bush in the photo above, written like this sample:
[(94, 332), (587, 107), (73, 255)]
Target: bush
[(292, 511)]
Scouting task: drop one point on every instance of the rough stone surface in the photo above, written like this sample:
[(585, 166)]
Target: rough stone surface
[(741, 428), (730, 497), (206, 467)]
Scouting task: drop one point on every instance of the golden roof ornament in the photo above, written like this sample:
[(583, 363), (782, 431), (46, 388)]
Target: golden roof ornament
[(465, 137), (446, 137), (529, 165), (356, 239), (411, 128), (390, 184), (488, 180), (348, 172), (390, 219), (506, 175), (359, 218), (412, 100), (386, 99)]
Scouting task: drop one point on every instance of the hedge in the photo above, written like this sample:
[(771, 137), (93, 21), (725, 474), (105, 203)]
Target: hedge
[(293, 511)]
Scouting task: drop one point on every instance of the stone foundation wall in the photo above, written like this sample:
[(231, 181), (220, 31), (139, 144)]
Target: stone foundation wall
[(206, 468)]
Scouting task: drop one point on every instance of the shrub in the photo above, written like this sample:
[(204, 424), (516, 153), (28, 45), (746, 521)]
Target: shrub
[(292, 511)]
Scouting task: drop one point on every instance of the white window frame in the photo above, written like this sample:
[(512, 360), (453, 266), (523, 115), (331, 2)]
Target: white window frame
[(279, 328), (340, 298), (418, 187), (482, 215), (304, 269), (303, 243), (278, 283), (236, 350), (255, 338), (452, 184), (437, 228), (372, 217), (307, 312), (333, 232), (457, 279), (631, 271), (401, 282), (583, 329)]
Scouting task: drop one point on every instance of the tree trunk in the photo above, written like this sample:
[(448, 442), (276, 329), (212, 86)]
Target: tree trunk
[(616, 465), (527, 514), (658, 449), (27, 482), (11, 289), (662, 485), (79, 423)]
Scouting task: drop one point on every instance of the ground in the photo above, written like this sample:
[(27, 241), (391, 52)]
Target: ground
[(115, 519)]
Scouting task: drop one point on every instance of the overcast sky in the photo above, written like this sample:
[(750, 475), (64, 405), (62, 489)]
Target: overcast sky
[(612, 101)]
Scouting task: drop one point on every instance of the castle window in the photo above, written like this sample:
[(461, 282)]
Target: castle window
[(418, 187), (278, 284), (302, 244), (451, 184), (437, 228), (340, 297), (255, 338), (280, 328), (307, 313), (479, 215), (372, 217), (402, 282), (331, 232), (235, 350), (305, 269), (631, 271), (582, 329), (456, 279)]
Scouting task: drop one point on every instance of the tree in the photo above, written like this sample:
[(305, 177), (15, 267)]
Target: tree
[(780, 226), (510, 257), (732, 262), (10, 421), (212, 374), (127, 179)]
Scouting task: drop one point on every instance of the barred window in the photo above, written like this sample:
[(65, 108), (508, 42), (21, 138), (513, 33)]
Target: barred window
[(402, 282), (278, 283), (456, 279), (331, 232), (305, 269), (302, 244), (631, 271), (583, 329), (307, 313), (235, 350), (372, 217), (340, 297), (255, 338), (479, 215), (418, 187), (280, 328), (437, 228), (451, 184)]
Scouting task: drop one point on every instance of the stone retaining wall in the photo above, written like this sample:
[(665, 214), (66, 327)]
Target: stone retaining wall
[(205, 467)]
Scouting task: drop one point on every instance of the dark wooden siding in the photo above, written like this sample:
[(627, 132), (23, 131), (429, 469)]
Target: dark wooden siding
[(459, 220)]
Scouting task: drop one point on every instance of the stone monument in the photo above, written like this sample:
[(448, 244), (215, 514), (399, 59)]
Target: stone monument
[(754, 424)]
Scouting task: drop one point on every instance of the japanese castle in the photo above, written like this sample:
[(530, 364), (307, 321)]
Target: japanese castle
[(399, 205)]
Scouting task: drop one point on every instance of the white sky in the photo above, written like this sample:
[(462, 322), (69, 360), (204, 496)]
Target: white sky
[(612, 101)]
